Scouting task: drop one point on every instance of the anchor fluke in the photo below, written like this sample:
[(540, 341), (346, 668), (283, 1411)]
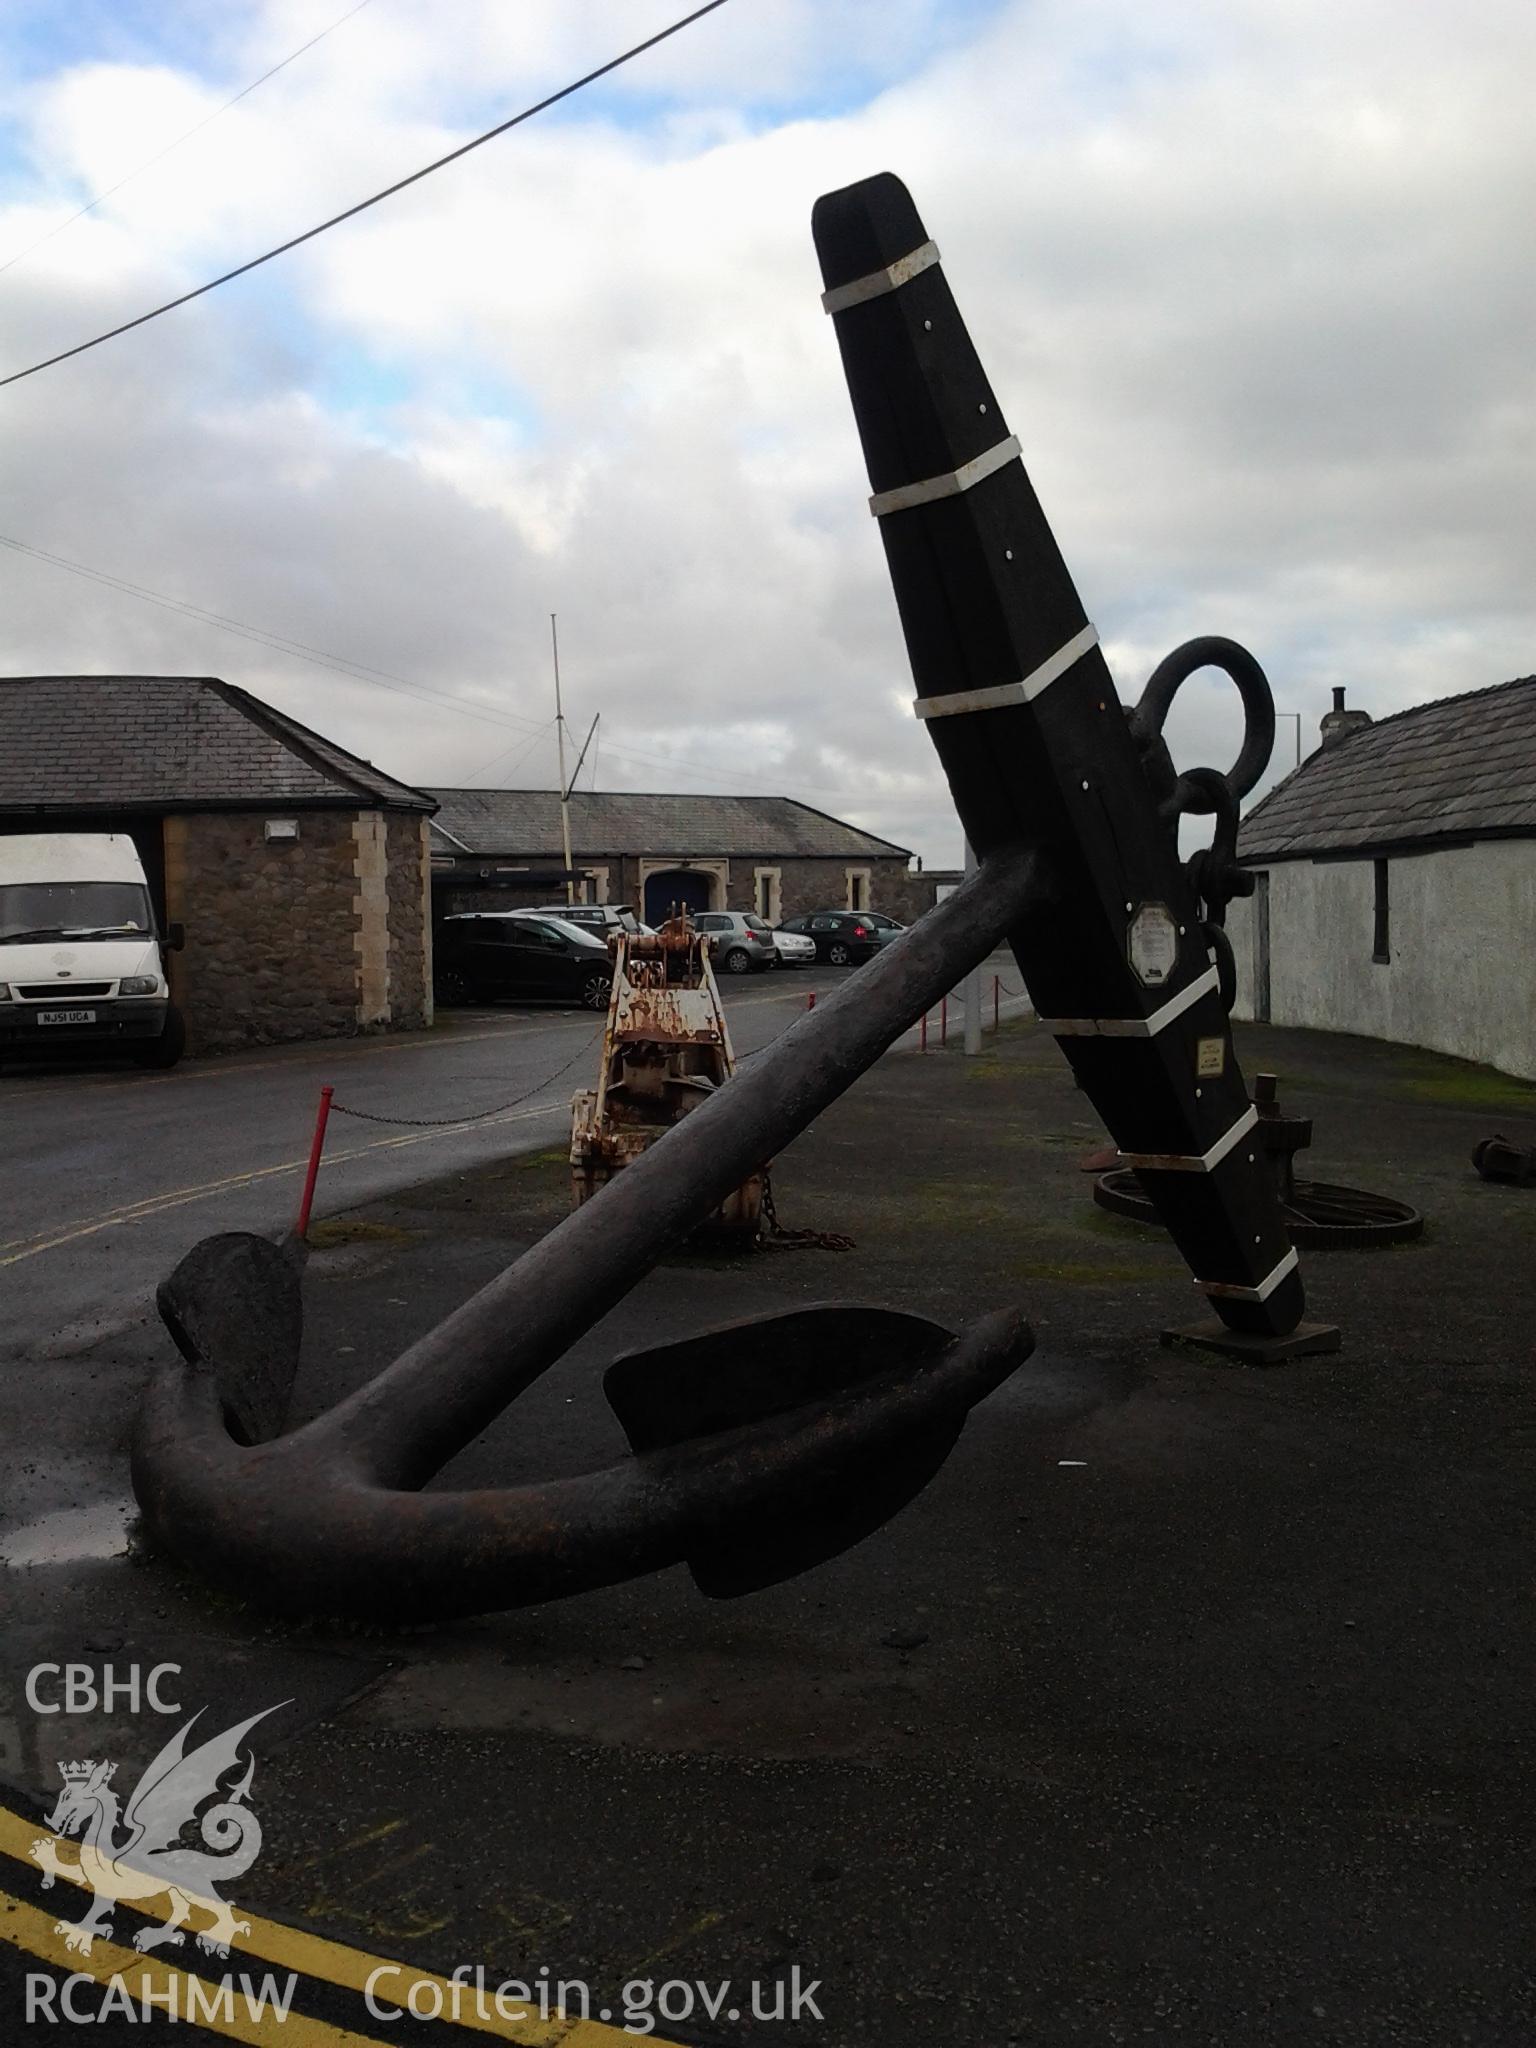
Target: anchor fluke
[(869, 1371)]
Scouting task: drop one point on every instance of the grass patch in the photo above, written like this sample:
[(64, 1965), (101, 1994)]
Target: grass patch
[(1069, 1273), (1457, 1084), (340, 1230)]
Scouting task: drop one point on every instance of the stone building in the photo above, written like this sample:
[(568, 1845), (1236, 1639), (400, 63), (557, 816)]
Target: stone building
[(768, 854), (1396, 871), (299, 872)]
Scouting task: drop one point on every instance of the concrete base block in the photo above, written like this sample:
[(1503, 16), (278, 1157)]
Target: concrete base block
[(1307, 1340)]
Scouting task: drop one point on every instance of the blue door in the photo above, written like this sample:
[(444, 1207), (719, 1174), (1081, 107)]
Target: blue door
[(686, 886)]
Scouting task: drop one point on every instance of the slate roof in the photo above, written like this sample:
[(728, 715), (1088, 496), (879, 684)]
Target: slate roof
[(157, 743), (1462, 768), (527, 821)]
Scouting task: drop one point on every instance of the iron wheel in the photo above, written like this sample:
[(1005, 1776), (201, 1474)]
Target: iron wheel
[(1320, 1216)]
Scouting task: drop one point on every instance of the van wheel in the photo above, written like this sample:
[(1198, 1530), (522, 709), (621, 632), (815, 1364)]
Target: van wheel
[(838, 953), (451, 989), (168, 1048)]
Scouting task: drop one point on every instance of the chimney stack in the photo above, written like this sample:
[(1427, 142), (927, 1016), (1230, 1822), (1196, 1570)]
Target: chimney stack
[(1339, 723)]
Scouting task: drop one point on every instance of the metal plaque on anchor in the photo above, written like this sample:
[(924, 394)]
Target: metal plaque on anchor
[(1152, 944)]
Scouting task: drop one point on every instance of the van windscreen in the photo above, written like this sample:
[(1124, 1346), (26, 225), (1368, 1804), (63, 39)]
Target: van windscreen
[(72, 910)]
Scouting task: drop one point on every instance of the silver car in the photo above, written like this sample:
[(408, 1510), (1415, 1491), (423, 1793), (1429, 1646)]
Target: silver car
[(738, 941), (795, 949)]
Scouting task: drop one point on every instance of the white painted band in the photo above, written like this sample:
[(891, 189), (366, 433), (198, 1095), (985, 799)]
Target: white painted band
[(1191, 1162), (1134, 1027), (879, 282), (1003, 694), (951, 484), (1229, 1291)]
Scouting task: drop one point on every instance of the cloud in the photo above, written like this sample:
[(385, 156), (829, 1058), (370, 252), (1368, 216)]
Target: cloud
[(1248, 281)]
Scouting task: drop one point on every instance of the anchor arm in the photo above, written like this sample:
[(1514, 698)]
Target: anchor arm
[(305, 1538)]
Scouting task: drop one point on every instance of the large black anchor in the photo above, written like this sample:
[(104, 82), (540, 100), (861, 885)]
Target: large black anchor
[(763, 1448)]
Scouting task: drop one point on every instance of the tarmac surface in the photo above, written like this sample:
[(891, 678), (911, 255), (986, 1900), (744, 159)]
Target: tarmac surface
[(1189, 1703)]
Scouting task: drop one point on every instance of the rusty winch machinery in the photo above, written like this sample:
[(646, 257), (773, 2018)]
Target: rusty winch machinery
[(761, 1448), (666, 1051)]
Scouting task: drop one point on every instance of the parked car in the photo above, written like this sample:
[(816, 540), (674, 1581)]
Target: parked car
[(490, 954), (738, 941), (601, 918), (843, 936), (795, 949)]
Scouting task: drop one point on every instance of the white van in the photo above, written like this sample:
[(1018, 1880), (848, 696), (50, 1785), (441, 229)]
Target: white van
[(80, 960)]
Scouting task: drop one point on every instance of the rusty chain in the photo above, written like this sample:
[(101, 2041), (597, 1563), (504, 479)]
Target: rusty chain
[(423, 1123), (776, 1238)]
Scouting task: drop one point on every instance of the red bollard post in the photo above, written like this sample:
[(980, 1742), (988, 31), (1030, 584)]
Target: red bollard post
[(317, 1146), (810, 1001), (923, 1040), (944, 1020), (996, 1007)]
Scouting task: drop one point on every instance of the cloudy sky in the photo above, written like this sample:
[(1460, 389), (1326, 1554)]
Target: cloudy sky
[(1252, 278)]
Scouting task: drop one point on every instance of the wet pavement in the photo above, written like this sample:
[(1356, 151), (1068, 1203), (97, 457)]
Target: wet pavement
[(1202, 1713)]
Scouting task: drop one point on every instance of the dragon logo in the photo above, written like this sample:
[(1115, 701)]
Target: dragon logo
[(135, 1852)]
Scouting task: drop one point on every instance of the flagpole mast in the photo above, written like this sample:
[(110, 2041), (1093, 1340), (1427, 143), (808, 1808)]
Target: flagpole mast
[(565, 794)]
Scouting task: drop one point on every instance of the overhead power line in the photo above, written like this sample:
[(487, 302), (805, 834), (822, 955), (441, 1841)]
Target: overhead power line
[(365, 672), (281, 643), (196, 129), (362, 206)]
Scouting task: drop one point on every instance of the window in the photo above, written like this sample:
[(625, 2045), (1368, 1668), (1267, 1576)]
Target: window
[(1381, 949), (711, 922), (73, 909), (858, 888), (756, 924), (767, 896)]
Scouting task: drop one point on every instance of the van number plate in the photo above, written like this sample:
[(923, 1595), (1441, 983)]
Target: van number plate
[(66, 1016)]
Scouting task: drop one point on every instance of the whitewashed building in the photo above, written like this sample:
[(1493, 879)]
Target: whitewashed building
[(1396, 891)]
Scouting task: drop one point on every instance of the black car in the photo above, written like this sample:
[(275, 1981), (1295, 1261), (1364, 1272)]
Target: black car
[(486, 955), (842, 936)]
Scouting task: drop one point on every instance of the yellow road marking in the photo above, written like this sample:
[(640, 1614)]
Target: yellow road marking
[(308, 1955), (20, 1248), (152, 1984)]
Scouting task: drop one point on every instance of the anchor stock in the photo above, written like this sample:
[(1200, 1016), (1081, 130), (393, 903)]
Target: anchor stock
[(1038, 750)]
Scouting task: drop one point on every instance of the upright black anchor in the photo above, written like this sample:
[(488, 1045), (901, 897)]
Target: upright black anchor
[(1039, 752), (765, 1447)]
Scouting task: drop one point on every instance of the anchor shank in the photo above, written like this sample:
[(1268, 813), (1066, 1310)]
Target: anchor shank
[(438, 1395)]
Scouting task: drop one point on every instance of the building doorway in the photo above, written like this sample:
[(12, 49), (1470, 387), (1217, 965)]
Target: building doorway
[(690, 887)]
